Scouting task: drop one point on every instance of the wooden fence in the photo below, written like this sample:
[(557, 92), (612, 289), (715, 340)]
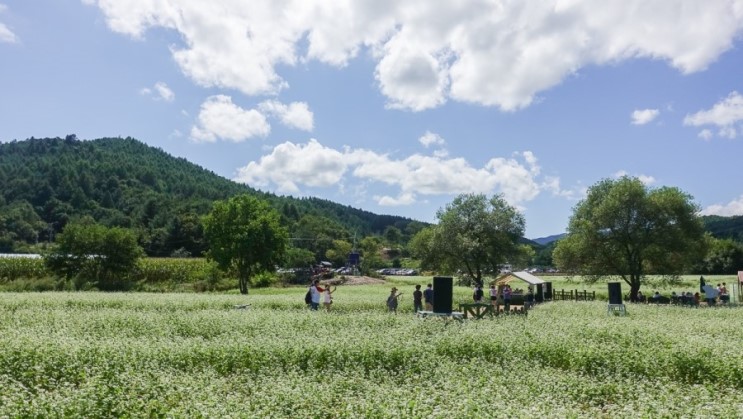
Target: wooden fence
[(573, 295)]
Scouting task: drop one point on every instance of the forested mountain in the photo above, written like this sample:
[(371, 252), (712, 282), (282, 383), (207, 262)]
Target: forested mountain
[(45, 183), (724, 227)]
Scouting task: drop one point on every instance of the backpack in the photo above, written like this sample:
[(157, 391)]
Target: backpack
[(308, 297)]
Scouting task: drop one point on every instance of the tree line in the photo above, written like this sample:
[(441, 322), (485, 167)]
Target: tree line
[(167, 205)]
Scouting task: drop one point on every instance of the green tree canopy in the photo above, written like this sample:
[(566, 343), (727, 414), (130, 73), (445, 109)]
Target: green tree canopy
[(89, 252), (244, 234), (724, 256), (475, 235), (623, 228)]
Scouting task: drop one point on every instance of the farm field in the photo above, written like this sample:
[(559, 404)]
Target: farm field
[(195, 355)]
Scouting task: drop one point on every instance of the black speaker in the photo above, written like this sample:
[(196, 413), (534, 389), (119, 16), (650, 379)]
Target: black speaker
[(615, 293), (548, 291), (539, 297), (442, 294)]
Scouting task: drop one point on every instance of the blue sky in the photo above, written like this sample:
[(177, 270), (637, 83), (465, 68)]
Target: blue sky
[(396, 107)]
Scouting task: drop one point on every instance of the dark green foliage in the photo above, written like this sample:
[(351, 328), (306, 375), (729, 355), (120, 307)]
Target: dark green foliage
[(89, 253), (724, 227), (121, 182), (626, 229), (724, 256), (475, 235), (244, 235)]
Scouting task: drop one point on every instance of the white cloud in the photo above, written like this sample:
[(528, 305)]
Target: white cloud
[(161, 92), (295, 115), (388, 201), (430, 138), (706, 134), (6, 35), (724, 114), (644, 116), (645, 179), (289, 166), (501, 53), (734, 207), (164, 92), (219, 118), (552, 184)]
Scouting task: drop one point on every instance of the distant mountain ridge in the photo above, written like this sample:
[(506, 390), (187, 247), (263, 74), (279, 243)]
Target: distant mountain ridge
[(549, 239)]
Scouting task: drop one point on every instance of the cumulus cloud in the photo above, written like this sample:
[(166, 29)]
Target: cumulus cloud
[(724, 115), (295, 115), (290, 166), (734, 207), (160, 91), (500, 54), (219, 118), (644, 116), (429, 138), (6, 35)]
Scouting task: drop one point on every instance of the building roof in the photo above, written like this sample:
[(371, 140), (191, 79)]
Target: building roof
[(523, 276)]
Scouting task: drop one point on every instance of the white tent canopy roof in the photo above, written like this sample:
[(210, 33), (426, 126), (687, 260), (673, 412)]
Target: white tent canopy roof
[(524, 276)]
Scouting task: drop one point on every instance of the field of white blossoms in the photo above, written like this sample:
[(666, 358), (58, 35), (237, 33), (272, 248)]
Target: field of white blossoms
[(195, 355)]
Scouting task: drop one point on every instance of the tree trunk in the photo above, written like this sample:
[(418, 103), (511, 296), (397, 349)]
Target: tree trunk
[(243, 285), (634, 288)]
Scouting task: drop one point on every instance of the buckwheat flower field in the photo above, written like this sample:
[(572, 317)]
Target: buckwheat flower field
[(196, 355)]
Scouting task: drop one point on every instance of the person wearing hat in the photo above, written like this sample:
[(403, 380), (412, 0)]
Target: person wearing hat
[(392, 300)]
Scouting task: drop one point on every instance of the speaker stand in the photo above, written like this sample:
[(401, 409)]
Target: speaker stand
[(616, 308)]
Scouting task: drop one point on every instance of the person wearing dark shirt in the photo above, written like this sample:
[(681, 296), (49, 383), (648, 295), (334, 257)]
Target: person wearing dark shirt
[(478, 294), (428, 297), (417, 299)]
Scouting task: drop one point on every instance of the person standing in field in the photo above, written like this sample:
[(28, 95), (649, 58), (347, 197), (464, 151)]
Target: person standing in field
[(428, 297), (315, 292), (328, 297), (494, 296), (478, 294), (506, 298), (417, 299), (392, 300)]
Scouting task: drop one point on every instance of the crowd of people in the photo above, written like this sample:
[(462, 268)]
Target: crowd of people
[(422, 299), (711, 295)]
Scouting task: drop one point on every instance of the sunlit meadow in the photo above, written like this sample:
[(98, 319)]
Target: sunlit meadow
[(196, 355)]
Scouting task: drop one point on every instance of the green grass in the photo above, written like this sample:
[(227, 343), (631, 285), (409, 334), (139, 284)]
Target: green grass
[(195, 355)]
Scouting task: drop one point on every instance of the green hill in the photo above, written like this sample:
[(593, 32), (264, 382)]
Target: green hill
[(724, 227), (45, 183)]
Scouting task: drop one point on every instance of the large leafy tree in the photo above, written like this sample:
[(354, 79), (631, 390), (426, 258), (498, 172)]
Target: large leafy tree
[(624, 228), (724, 256), (476, 235), (92, 253), (421, 248), (244, 235)]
